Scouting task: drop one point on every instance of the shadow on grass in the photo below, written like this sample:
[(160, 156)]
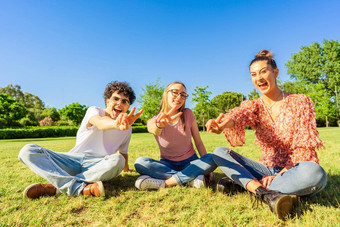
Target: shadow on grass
[(126, 182), (119, 184), (329, 196)]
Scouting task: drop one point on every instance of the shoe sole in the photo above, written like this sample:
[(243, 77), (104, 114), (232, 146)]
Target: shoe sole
[(139, 181), (101, 188), (295, 199), (24, 193), (284, 207)]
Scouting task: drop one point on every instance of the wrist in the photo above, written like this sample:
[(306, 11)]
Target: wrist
[(158, 126)]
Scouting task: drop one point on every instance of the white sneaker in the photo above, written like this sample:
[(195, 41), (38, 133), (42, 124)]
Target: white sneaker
[(147, 183), (198, 182)]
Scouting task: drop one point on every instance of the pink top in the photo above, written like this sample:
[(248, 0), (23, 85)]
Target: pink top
[(291, 139), (174, 144)]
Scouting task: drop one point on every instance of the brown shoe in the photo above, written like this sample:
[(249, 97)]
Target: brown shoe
[(280, 204), (96, 189), (35, 191)]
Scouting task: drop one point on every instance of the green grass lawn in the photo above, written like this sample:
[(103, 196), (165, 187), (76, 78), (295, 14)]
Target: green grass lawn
[(182, 206)]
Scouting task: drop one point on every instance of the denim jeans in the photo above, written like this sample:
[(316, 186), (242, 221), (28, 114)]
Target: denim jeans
[(306, 178), (183, 171), (70, 172)]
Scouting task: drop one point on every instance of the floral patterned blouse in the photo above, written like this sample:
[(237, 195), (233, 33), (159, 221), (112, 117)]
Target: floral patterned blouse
[(291, 139)]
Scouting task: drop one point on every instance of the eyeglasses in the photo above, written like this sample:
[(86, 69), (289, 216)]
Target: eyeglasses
[(176, 93), (123, 101)]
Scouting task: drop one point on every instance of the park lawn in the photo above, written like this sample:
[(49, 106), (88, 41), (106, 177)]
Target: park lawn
[(182, 206)]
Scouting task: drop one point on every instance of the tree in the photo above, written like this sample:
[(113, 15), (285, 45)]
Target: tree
[(295, 87), (324, 108), (10, 111), (318, 64), (74, 112), (203, 109), (14, 92), (33, 104), (151, 99), (253, 95), (50, 112), (226, 101), (34, 107)]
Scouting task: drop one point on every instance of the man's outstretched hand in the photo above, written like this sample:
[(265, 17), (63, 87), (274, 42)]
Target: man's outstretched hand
[(124, 120)]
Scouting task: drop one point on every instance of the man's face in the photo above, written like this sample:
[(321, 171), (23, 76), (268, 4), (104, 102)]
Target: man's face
[(116, 104)]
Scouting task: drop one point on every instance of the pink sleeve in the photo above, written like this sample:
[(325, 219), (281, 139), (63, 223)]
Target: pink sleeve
[(244, 115), (306, 137)]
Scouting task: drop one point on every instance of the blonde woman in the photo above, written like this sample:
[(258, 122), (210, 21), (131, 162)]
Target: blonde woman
[(174, 127)]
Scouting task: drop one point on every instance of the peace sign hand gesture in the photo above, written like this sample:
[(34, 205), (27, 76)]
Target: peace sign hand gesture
[(124, 120), (132, 118), (218, 125), (163, 119)]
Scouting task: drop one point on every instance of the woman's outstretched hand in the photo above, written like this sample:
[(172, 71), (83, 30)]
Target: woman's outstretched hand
[(163, 119), (217, 125), (266, 180)]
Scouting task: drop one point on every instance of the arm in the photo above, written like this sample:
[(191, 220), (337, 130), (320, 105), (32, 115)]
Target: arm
[(306, 137), (217, 126), (123, 121), (126, 167), (102, 123), (199, 144), (233, 123), (197, 139), (156, 125), (152, 128)]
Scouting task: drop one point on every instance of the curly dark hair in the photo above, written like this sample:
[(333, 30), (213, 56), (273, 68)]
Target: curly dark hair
[(121, 87)]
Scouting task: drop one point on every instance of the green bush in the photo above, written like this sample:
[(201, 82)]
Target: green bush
[(137, 129), (138, 124), (37, 132), (48, 131)]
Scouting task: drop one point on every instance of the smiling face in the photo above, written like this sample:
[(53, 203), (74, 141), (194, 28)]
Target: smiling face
[(176, 96), (118, 103), (264, 77)]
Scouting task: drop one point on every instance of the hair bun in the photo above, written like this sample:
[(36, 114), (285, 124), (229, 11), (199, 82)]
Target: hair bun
[(265, 53)]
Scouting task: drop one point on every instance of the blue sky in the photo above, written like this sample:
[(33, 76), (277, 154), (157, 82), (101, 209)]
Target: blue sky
[(67, 51)]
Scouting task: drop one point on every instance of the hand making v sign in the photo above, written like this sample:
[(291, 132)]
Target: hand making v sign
[(124, 120), (218, 125), (163, 119)]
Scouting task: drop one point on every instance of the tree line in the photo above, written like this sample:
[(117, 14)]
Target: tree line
[(18, 108), (314, 71)]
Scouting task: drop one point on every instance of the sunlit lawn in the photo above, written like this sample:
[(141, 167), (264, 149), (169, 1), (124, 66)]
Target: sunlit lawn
[(125, 205)]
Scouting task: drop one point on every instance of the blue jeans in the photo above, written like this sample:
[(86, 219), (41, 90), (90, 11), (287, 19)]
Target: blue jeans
[(183, 171), (306, 178), (70, 172)]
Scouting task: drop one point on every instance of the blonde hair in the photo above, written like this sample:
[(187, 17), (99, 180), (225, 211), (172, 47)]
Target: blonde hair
[(164, 108)]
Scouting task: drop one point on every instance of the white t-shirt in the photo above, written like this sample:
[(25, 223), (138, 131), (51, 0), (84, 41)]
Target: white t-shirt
[(99, 143)]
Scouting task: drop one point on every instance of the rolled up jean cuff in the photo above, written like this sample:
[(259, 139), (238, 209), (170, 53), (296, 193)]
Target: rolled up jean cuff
[(178, 180)]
